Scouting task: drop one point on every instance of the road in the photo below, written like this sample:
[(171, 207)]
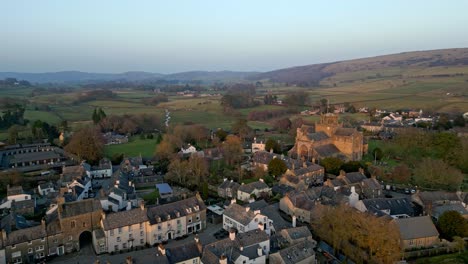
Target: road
[(141, 256)]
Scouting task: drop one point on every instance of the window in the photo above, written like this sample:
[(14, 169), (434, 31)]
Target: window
[(142, 233), (73, 224), (190, 220), (141, 225), (120, 230), (159, 227), (18, 260), (118, 239), (159, 237), (130, 236), (30, 250), (40, 255), (43, 239), (116, 247), (198, 216), (178, 221), (112, 232), (411, 242), (38, 248), (142, 241), (129, 228), (195, 261), (124, 245)]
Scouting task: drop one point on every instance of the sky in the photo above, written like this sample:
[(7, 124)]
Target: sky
[(243, 35)]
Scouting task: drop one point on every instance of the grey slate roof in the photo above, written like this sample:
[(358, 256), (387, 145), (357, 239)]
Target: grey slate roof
[(34, 156), (229, 184), (355, 177), (298, 252), (250, 187), (395, 205), (25, 235), (416, 227), (298, 232), (327, 150), (438, 196), (344, 131), (318, 136), (124, 218), (184, 252), (172, 209), (239, 213)]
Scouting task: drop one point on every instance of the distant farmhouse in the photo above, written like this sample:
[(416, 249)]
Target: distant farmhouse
[(328, 139)]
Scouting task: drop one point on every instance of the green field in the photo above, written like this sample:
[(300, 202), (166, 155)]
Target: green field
[(450, 258), (135, 147)]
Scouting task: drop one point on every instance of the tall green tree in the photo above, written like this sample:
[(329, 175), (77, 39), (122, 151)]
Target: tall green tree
[(272, 144), (276, 167), (332, 165), (87, 144), (451, 224)]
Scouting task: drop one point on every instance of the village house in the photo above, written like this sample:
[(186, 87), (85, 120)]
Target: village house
[(111, 138), (300, 253), (188, 149), (77, 182), (394, 207), (417, 232), (32, 157), (228, 189), (45, 188), (14, 194), (254, 189), (248, 247), (243, 219), (124, 230), (188, 253), (26, 245), (102, 170), (430, 200), (176, 219), (257, 146), (305, 176), (296, 235)]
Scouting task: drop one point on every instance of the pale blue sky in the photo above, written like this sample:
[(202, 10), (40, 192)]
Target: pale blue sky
[(172, 36)]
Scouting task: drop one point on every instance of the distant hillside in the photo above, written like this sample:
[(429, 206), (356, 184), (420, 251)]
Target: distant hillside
[(208, 75), (135, 76), (312, 74)]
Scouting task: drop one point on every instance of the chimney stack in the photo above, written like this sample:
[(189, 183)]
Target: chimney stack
[(247, 209), (259, 251), (232, 234), (223, 259), (294, 221), (142, 205), (361, 170), (162, 250), (260, 226), (233, 201)]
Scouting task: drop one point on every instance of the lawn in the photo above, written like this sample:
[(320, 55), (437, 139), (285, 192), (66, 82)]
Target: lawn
[(450, 258), (135, 147)]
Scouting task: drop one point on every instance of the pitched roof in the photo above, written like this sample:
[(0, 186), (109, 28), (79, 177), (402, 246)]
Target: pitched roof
[(272, 212), (184, 252), (355, 177), (34, 156), (124, 218), (318, 136), (297, 232), (345, 131), (416, 227), (229, 184), (250, 187), (24, 235), (14, 190), (298, 252), (396, 206), (239, 213), (327, 150), (438, 196), (183, 207), (310, 168)]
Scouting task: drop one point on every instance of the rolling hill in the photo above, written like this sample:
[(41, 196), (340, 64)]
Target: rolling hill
[(402, 62)]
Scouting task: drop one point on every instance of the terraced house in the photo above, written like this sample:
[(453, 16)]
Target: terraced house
[(25, 245), (123, 230), (176, 219)]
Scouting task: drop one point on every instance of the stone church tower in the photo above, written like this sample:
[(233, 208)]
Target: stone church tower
[(328, 139)]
